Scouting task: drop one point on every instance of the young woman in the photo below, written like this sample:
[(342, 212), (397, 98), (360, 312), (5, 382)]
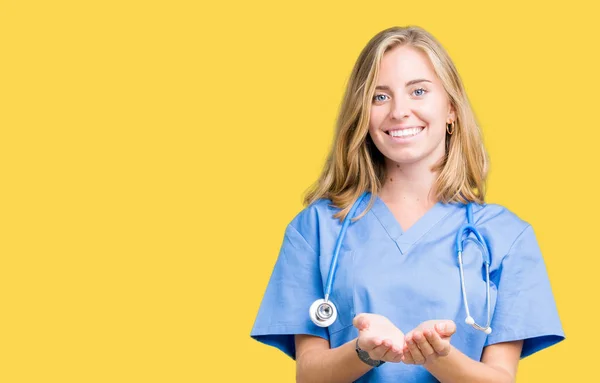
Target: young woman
[(394, 300)]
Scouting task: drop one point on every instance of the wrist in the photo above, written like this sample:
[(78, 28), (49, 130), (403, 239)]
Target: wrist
[(365, 358), (436, 359)]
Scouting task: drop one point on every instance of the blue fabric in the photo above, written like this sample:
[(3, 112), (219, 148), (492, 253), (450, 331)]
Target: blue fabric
[(410, 277)]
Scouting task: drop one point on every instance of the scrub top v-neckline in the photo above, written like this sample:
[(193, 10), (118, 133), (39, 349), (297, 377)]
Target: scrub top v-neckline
[(405, 239)]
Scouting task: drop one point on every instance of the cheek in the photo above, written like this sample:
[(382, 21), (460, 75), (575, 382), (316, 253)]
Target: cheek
[(376, 117), (434, 110)]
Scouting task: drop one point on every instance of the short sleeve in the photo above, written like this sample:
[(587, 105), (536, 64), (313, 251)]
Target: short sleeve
[(294, 285), (525, 306)]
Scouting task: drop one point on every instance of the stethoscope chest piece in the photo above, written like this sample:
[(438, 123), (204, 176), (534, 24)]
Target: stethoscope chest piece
[(323, 313)]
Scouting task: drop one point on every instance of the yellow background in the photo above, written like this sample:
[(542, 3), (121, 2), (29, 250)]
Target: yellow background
[(152, 153)]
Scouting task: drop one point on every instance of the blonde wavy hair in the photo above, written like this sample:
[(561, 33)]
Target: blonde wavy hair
[(354, 165)]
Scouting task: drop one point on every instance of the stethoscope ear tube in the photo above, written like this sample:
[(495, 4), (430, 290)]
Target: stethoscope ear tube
[(480, 241)]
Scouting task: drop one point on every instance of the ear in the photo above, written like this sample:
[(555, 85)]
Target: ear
[(451, 114)]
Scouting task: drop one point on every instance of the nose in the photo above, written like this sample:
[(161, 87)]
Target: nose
[(400, 108)]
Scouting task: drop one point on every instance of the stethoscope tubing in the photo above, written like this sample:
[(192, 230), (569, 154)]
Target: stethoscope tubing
[(467, 228), (338, 245)]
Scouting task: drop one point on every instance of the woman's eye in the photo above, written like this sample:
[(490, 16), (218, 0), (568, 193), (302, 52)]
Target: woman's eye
[(379, 97), (419, 92)]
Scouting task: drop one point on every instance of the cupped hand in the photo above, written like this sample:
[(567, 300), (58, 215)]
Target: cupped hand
[(430, 340), (379, 337)]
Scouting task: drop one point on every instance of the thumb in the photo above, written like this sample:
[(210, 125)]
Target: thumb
[(446, 327), (360, 322)]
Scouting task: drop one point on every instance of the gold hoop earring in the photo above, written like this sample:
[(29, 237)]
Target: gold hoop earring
[(450, 128)]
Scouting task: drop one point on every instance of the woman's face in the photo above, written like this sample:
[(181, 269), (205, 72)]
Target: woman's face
[(410, 109)]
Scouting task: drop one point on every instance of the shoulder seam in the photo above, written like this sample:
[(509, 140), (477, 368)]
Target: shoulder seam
[(304, 239), (516, 239)]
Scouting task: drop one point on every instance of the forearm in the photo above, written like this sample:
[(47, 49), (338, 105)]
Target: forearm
[(457, 367), (337, 365)]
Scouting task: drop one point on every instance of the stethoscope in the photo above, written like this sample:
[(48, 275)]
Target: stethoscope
[(323, 312)]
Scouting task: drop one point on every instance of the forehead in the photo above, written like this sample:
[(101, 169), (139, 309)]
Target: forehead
[(404, 63)]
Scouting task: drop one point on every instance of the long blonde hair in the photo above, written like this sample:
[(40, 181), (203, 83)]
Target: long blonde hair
[(354, 165)]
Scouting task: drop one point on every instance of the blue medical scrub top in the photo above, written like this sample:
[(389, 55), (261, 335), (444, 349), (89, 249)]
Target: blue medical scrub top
[(410, 277)]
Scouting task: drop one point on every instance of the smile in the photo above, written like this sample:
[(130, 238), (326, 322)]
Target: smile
[(406, 132)]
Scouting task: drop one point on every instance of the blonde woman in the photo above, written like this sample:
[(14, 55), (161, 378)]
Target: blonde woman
[(397, 270)]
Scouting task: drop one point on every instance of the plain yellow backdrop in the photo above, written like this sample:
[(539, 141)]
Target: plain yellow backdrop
[(152, 153)]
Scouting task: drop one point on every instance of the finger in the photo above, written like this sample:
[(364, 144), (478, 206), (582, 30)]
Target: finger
[(361, 322), (423, 344), (407, 357), (379, 352), (440, 346), (369, 343), (446, 328), (394, 355), (415, 352)]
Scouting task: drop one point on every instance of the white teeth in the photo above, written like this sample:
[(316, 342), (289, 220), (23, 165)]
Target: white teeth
[(406, 132)]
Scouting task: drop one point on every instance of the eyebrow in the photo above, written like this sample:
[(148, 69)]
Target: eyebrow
[(411, 82)]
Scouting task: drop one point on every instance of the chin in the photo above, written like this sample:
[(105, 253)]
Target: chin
[(404, 158)]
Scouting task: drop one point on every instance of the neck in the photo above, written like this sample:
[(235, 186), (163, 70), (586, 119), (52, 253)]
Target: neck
[(409, 185)]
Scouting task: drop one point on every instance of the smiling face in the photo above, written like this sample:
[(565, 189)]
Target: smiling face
[(410, 109)]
